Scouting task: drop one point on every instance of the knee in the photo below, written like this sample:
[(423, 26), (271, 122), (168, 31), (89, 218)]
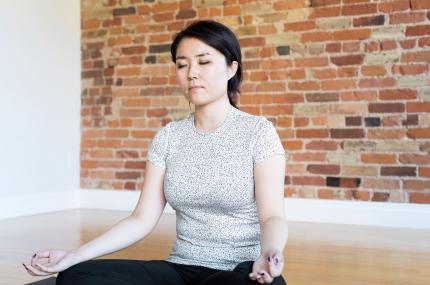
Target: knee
[(69, 276), (66, 277)]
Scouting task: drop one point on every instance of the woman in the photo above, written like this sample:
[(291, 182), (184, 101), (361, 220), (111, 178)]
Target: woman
[(221, 169)]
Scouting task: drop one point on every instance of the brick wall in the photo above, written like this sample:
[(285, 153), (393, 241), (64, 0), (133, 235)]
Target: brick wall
[(346, 83)]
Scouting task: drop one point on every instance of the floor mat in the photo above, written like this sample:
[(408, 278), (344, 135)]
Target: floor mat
[(49, 281)]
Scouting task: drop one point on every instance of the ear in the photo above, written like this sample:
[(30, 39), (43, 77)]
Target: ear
[(232, 68)]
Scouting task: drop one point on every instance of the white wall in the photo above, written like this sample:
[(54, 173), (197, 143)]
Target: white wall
[(39, 99)]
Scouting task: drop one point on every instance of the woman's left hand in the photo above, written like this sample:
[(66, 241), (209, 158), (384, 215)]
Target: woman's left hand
[(267, 267)]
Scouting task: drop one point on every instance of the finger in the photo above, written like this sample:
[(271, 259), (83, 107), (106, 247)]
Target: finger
[(34, 271), (28, 271), (253, 276), (266, 277), (260, 280), (47, 268), (38, 255)]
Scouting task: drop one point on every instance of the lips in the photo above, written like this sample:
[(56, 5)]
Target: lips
[(194, 87)]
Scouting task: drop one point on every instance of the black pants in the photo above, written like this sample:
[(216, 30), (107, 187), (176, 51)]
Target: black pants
[(154, 272)]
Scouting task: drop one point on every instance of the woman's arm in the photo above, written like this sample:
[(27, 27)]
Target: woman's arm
[(269, 178), (138, 225), (123, 234)]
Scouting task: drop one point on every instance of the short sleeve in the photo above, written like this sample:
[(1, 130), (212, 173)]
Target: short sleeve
[(157, 151), (267, 142)]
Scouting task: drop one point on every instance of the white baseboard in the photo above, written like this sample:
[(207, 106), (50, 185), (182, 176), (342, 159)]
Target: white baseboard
[(32, 204), (380, 214)]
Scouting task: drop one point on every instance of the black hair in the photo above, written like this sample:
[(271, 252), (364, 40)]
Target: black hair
[(220, 38)]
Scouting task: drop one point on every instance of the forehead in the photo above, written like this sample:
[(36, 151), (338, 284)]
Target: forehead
[(192, 47)]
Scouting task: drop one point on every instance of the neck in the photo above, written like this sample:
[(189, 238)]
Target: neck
[(209, 117)]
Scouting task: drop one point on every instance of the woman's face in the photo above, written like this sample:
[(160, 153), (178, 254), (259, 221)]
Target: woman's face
[(202, 72)]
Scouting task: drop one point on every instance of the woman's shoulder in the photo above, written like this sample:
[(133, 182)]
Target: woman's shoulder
[(253, 121)]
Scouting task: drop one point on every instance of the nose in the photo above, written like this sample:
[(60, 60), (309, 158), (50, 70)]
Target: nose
[(192, 72)]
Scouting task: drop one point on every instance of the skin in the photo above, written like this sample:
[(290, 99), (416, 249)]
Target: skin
[(202, 75)]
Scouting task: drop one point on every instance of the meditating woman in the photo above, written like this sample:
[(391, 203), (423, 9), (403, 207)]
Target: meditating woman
[(221, 169)]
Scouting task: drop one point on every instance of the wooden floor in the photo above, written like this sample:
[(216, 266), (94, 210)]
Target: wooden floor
[(316, 253)]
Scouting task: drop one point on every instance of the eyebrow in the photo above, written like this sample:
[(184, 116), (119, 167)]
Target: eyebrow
[(199, 55)]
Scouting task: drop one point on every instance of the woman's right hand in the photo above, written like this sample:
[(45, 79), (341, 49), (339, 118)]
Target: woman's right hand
[(51, 261)]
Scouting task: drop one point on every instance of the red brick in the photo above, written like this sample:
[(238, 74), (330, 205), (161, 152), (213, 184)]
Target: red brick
[(373, 70), (416, 184), (418, 107), (232, 10), (158, 112), (308, 156), (308, 180), (398, 171), (322, 12), (292, 4), (164, 7), (424, 171), (328, 169), (294, 145), (417, 197), (372, 183), (135, 165), (355, 34), (420, 4), (346, 133), (316, 37), (116, 133), (305, 85), (252, 42), (419, 133), (408, 44), (350, 47), (393, 6), (333, 47), (410, 69), (377, 82), (322, 145), (325, 194), (397, 94), (311, 62), (271, 86), (420, 56), (386, 108), (380, 197), (91, 24), (407, 17), (368, 8), (424, 42), (338, 84), (385, 134), (420, 30), (276, 64), (378, 158), (413, 158), (129, 175), (318, 3), (347, 59), (312, 133), (324, 73), (388, 45), (299, 26), (267, 29)]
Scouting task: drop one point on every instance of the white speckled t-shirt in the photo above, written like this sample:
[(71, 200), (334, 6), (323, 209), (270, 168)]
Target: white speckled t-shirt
[(209, 183)]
